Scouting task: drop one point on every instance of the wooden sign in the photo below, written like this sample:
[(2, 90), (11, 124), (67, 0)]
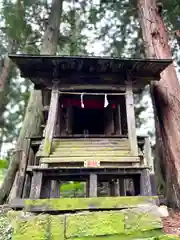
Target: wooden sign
[(91, 164)]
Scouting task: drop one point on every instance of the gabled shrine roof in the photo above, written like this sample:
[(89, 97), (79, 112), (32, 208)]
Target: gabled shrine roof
[(43, 69)]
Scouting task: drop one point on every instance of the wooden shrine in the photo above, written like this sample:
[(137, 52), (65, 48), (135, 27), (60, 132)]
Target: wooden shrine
[(89, 127)]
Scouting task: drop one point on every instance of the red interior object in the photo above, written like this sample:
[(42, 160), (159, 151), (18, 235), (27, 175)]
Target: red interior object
[(90, 103), (87, 103)]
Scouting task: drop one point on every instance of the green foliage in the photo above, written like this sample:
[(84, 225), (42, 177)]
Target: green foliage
[(22, 27), (72, 189), (112, 23), (4, 164)]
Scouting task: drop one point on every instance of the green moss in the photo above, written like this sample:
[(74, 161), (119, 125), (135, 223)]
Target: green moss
[(141, 220), (41, 227), (150, 235), (46, 147), (34, 228), (168, 237), (57, 227), (109, 225), (94, 224), (128, 222), (86, 203)]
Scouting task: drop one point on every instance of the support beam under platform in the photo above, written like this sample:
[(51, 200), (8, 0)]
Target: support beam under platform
[(145, 183), (36, 185), (55, 189), (93, 185)]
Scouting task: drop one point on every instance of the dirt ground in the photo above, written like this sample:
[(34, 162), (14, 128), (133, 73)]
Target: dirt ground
[(172, 223)]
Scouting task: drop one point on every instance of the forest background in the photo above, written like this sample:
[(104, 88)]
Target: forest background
[(95, 28)]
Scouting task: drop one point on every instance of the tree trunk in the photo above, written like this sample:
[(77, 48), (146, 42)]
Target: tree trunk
[(32, 121), (166, 101), (4, 89)]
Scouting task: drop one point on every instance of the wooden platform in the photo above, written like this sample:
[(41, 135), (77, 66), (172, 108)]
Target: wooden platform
[(82, 174)]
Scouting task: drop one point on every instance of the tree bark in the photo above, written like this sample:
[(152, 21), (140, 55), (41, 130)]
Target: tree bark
[(4, 88), (166, 101), (32, 120), (177, 36)]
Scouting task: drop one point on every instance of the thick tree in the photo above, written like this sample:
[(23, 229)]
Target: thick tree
[(166, 101), (32, 121)]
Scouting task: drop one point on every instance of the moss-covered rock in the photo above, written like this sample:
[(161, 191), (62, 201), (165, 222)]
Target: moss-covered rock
[(94, 224), (168, 237), (5, 228), (40, 227), (141, 219), (86, 225), (130, 224)]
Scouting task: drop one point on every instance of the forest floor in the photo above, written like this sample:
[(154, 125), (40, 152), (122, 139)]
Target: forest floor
[(172, 223)]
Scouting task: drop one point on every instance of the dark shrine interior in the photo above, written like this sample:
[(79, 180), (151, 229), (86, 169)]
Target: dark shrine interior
[(88, 121), (93, 116)]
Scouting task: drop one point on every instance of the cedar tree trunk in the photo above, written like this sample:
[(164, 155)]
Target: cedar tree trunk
[(4, 88), (166, 101), (33, 116)]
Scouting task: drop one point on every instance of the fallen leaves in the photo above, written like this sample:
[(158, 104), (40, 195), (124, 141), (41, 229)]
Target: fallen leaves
[(172, 223)]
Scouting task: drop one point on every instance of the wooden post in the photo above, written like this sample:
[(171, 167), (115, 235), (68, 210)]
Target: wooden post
[(69, 120), (87, 188), (145, 183), (27, 186), (122, 187), (116, 187), (93, 185), (36, 185), (27, 183), (22, 170), (146, 177), (137, 183), (51, 122), (131, 124), (119, 118), (148, 154), (57, 129), (55, 189), (46, 188), (109, 121), (110, 188)]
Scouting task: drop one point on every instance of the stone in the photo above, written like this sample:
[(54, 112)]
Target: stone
[(163, 211), (5, 228), (94, 224), (140, 223), (142, 218), (40, 227)]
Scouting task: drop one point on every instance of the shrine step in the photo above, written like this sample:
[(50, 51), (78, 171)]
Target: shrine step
[(85, 153), (58, 159), (81, 204)]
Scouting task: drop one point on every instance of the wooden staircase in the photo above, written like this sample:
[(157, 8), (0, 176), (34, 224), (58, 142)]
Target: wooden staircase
[(104, 152)]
